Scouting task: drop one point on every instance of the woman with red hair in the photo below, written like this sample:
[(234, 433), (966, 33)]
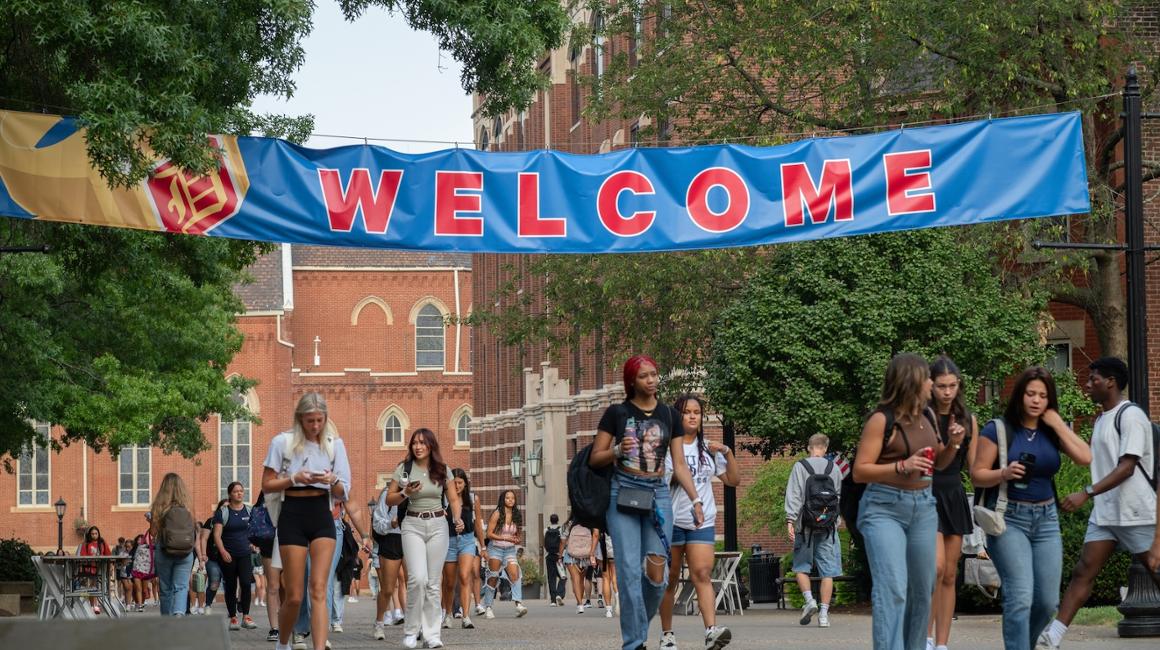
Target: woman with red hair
[(637, 435)]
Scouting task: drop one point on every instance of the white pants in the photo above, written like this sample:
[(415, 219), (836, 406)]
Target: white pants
[(424, 549)]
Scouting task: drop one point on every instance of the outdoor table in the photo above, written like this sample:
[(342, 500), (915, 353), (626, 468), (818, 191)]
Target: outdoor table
[(724, 581), (65, 592)]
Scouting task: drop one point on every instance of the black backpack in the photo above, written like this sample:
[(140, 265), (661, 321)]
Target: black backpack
[(819, 512), (1149, 476), (350, 547), (552, 540), (589, 490)]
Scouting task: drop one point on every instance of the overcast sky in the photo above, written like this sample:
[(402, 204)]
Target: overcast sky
[(376, 78)]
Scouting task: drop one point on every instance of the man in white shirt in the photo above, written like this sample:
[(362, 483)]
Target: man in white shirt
[(1124, 513)]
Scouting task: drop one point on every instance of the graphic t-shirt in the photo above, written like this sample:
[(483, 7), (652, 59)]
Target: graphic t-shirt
[(652, 431), (704, 466), (1133, 502)]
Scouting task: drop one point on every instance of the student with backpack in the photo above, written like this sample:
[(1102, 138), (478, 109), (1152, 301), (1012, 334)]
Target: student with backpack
[(691, 543), (420, 487), (231, 538), (1028, 551), (811, 512), (309, 466), (635, 437), (1123, 488), (951, 503), (175, 534), (579, 555), (553, 545), (896, 514), (462, 548)]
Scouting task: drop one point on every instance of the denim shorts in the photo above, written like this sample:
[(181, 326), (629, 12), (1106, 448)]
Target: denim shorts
[(1133, 539), (818, 548), (505, 555), (460, 545), (682, 536)]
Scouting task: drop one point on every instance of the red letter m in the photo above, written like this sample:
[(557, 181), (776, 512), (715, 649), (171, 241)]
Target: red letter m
[(799, 194), (376, 204)]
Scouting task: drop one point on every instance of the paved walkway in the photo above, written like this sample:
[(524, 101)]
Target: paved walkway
[(761, 628)]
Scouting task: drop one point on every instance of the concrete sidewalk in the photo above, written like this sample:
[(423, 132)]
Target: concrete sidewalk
[(763, 627)]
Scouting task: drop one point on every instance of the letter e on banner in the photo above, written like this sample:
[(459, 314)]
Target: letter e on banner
[(736, 192), (608, 197), (375, 204), (450, 201), (530, 223), (834, 192), (904, 179)]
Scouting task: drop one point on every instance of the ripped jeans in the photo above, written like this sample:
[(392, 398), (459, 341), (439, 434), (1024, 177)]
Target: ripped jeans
[(637, 544)]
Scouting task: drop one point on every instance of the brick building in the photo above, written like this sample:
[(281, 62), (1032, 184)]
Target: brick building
[(374, 331), (528, 403)]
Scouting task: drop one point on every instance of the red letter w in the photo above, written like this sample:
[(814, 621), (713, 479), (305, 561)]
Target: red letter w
[(376, 204)]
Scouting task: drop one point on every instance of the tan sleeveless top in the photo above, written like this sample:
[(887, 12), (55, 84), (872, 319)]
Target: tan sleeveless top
[(902, 443)]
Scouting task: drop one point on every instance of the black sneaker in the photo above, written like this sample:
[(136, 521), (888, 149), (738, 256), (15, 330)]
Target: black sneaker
[(272, 635)]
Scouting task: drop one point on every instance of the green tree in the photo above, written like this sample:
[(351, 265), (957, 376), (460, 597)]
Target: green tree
[(804, 348), (768, 72), (123, 337)]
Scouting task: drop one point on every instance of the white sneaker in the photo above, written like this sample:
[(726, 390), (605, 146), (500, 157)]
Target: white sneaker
[(299, 642), (446, 624), (434, 643), (608, 613), (379, 634), (1044, 642), (351, 599), (399, 618), (559, 601), (479, 609), (717, 637), (668, 641), (207, 611), (467, 624), (336, 628), (579, 609), (459, 613), (200, 611), (388, 618), (521, 611), (824, 619), (411, 641), (488, 614), (808, 611), (930, 643)]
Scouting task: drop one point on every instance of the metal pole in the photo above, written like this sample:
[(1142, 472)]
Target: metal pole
[(1134, 227), (1141, 605), (59, 535), (729, 438)]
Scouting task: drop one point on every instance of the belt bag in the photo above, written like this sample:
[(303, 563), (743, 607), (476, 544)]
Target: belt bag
[(993, 522), (635, 500)]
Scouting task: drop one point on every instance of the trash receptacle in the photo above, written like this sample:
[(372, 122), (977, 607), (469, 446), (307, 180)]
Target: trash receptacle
[(764, 570)]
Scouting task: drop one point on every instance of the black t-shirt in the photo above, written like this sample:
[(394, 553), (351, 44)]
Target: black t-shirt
[(653, 432), (211, 552)]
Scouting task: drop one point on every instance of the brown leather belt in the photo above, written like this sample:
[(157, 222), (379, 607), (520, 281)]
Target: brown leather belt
[(427, 515)]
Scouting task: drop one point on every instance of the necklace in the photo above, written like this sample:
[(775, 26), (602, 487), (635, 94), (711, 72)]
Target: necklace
[(1031, 437)]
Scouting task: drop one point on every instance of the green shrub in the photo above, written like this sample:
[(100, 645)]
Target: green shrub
[(16, 561)]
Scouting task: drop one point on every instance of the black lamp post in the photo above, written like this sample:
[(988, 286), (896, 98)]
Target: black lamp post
[(60, 505)]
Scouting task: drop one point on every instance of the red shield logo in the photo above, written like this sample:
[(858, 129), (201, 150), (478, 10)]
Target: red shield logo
[(194, 205)]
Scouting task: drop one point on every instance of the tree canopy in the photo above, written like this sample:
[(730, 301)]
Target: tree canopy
[(122, 337), (803, 349)]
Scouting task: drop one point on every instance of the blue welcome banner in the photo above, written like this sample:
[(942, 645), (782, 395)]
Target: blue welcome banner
[(633, 200)]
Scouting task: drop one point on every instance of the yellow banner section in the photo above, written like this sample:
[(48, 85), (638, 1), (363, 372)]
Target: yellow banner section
[(44, 166)]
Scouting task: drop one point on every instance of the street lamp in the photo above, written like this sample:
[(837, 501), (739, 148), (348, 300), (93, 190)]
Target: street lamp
[(517, 467), (536, 464), (60, 505)]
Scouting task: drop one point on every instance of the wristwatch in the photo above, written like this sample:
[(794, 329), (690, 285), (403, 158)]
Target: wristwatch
[(1089, 490)]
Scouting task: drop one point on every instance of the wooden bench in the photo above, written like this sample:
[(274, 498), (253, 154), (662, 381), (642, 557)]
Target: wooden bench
[(815, 585)]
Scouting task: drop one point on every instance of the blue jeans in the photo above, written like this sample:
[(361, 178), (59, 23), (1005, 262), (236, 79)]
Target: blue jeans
[(634, 536), (302, 625), (899, 527), (213, 571), (505, 556), (1029, 559), (173, 575)]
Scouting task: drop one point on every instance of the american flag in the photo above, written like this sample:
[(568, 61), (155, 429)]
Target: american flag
[(842, 463)]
